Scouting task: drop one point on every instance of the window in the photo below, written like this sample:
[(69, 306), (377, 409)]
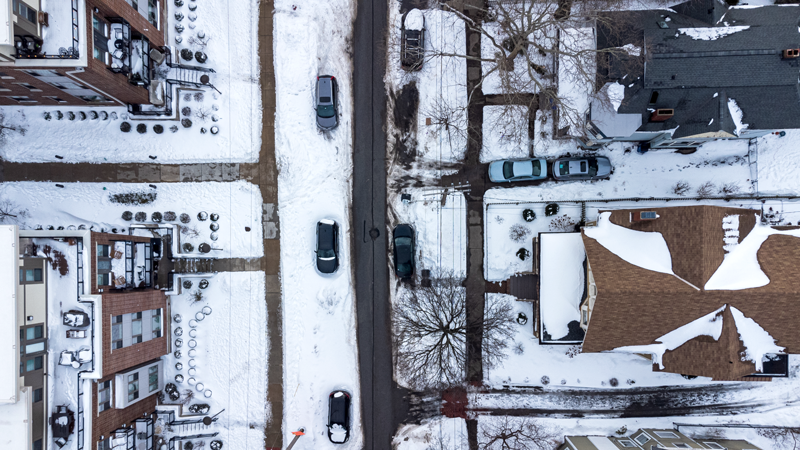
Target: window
[(680, 445), (666, 435), (67, 85), (135, 4), (713, 445), (93, 98), (98, 25), (116, 332), (133, 386), (103, 279), (102, 250), (5, 76), (22, 99), (37, 395), (654, 97), (627, 443), (100, 41), (105, 444), (29, 87), (42, 73), (642, 438), (37, 444), (104, 396), (152, 374), (152, 12), (136, 328), (31, 274), (34, 364), (22, 10), (156, 323), (647, 215), (34, 332), (34, 348), (57, 99)]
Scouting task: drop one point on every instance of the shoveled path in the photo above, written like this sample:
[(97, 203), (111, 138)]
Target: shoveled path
[(140, 173)]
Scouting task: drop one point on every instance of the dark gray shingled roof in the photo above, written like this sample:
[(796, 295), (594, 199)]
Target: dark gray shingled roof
[(745, 66)]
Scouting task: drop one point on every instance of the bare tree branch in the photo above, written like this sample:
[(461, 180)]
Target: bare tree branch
[(515, 433)]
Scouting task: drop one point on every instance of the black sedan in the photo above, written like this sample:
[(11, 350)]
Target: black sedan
[(403, 237), (327, 246), (339, 417)]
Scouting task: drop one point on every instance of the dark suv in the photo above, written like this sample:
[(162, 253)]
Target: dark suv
[(327, 103), (327, 246), (339, 417)]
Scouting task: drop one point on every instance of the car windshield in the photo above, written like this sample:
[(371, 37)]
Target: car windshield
[(537, 168), (403, 242), (326, 254), (325, 111), (563, 168), (592, 167), (508, 170), (404, 268)]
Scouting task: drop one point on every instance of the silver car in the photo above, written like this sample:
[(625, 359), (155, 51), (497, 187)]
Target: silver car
[(581, 168), (518, 170), (327, 103)]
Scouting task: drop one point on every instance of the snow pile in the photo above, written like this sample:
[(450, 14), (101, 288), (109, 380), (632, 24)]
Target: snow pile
[(710, 34), (616, 93), (730, 224), (737, 115), (573, 90), (708, 325), (644, 249), (757, 341), (414, 20), (338, 433), (632, 50), (505, 133), (740, 268), (562, 281)]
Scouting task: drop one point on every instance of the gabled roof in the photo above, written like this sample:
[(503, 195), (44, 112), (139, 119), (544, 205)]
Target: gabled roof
[(636, 306)]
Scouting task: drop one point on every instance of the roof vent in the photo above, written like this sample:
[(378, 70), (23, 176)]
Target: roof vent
[(660, 115), (791, 53)]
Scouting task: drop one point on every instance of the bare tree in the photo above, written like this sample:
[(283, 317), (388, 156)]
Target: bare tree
[(783, 438), (430, 328), (6, 129), (10, 212), (515, 433), (532, 46), (449, 121)]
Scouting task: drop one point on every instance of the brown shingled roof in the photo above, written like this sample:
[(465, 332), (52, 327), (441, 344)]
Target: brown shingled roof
[(635, 306)]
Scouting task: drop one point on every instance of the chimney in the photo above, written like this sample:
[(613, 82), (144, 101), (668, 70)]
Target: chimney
[(791, 53), (660, 115)]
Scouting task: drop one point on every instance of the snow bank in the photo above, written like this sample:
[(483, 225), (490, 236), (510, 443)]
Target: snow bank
[(644, 249), (708, 325), (89, 204), (616, 93), (505, 133), (736, 115), (711, 34), (414, 20), (757, 341), (562, 281), (232, 350), (441, 432), (740, 268)]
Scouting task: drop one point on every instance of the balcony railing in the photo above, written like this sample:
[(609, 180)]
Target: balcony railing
[(28, 47)]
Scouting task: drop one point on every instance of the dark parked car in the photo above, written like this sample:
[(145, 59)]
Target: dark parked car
[(403, 237), (412, 40), (339, 417), (581, 168), (517, 170), (327, 103), (327, 246)]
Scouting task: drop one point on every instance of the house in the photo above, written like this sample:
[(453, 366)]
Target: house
[(699, 290), (84, 341), (652, 439), (704, 71), (79, 52)]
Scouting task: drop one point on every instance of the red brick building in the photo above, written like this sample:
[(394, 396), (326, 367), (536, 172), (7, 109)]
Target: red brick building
[(79, 52)]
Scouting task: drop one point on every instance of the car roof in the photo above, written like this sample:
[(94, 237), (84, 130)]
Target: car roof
[(338, 407)]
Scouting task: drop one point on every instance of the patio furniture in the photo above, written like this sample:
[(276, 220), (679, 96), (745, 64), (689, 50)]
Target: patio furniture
[(76, 318), (76, 334), (75, 358)]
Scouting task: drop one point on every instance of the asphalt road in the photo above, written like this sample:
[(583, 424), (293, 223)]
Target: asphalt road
[(383, 404)]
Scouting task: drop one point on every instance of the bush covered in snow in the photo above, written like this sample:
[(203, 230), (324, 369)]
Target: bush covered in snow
[(681, 188), (141, 216), (127, 215), (125, 127), (158, 129), (528, 215), (187, 123), (134, 198), (523, 253), (188, 248), (729, 188), (518, 233), (156, 217), (170, 216), (706, 189), (185, 218), (551, 209), (141, 128)]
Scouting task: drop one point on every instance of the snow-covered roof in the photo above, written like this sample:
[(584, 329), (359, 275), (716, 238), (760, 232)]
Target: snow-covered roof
[(414, 20), (15, 422), (561, 281), (6, 25), (647, 250), (9, 328)]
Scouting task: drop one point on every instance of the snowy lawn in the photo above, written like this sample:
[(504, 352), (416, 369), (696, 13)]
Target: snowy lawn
[(505, 133), (441, 85), (89, 205), (778, 163), (314, 183), (231, 46), (229, 362), (437, 433), (441, 230), (519, 79)]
